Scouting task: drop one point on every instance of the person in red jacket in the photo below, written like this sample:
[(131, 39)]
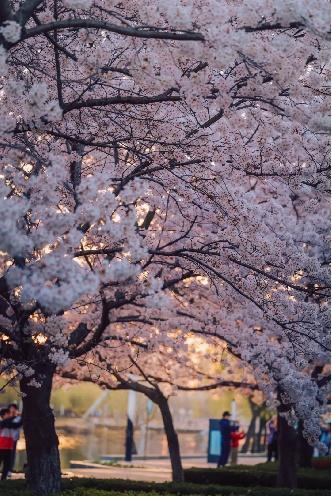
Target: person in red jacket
[(236, 437), (7, 428)]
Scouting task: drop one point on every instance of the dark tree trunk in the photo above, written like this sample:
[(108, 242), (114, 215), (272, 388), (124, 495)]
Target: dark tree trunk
[(43, 472), (287, 449), (172, 440), (249, 436), (256, 445), (305, 450), (262, 430)]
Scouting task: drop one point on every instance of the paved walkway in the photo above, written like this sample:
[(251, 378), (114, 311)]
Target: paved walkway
[(150, 470), (142, 470)]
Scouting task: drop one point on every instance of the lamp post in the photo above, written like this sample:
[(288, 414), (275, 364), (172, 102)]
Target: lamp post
[(233, 410), (131, 412)]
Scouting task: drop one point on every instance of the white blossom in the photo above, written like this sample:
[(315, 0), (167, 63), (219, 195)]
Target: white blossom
[(11, 31), (78, 4)]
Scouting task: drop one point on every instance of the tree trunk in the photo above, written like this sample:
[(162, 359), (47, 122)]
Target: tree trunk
[(262, 430), (172, 440), (256, 440), (305, 450), (250, 434), (287, 449), (43, 472)]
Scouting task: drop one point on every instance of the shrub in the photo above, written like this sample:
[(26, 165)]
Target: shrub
[(119, 487), (321, 467), (321, 463), (251, 476)]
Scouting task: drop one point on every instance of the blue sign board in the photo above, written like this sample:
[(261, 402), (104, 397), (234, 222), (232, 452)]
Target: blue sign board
[(214, 446)]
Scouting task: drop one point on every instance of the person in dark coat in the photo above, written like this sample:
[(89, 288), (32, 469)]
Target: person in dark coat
[(226, 430), (272, 440)]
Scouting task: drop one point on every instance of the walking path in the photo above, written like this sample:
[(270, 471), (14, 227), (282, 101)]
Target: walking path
[(141, 470), (150, 470)]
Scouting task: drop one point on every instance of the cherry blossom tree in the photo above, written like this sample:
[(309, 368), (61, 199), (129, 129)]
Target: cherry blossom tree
[(178, 362), (147, 144)]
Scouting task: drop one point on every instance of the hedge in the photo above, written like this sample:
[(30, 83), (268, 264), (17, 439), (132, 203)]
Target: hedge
[(251, 476), (118, 487), (317, 470), (322, 463)]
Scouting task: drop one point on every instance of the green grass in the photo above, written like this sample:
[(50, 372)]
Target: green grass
[(120, 487)]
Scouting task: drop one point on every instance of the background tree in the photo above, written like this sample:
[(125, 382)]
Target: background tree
[(166, 370), (253, 439)]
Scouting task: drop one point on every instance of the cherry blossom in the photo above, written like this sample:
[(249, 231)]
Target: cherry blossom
[(164, 167)]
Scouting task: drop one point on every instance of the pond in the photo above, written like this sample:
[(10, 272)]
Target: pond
[(87, 440)]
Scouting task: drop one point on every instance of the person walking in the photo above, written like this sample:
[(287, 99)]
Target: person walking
[(6, 443), (236, 437), (272, 440), (16, 417), (225, 430), (7, 425)]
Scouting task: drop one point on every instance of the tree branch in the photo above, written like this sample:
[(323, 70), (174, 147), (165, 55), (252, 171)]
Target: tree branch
[(97, 335), (114, 28), (272, 27), (26, 11), (299, 288), (129, 99)]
